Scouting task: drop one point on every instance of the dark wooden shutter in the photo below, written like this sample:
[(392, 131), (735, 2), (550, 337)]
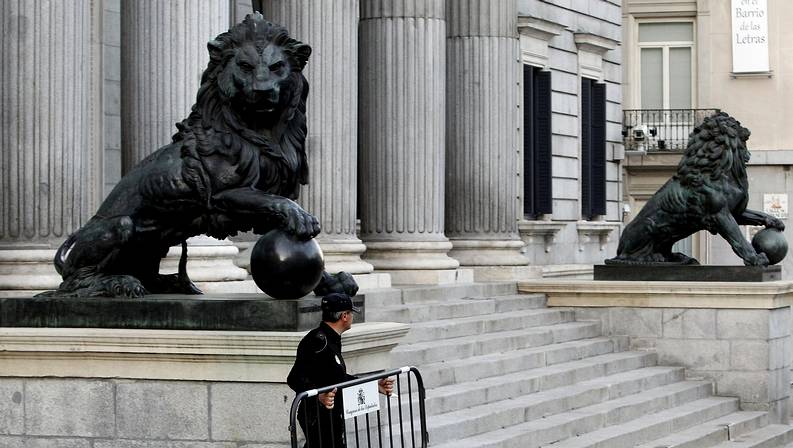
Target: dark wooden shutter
[(598, 145), (543, 176), (528, 142), (586, 150)]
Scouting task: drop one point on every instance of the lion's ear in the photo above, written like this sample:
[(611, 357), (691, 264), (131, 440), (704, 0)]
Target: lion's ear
[(215, 47), (301, 53)]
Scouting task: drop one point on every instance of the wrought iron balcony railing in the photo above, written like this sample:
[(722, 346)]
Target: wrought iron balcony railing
[(660, 129)]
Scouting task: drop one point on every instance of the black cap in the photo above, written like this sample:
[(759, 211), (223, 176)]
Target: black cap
[(336, 302)]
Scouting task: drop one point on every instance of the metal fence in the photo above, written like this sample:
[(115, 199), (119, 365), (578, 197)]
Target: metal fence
[(396, 424), (660, 129)]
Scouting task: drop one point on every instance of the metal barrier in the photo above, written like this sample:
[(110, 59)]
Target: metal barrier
[(378, 431)]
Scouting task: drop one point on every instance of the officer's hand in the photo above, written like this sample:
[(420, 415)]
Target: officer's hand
[(327, 399), (386, 386)]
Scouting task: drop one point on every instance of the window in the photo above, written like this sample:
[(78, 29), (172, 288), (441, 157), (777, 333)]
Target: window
[(593, 148), (666, 65), (537, 178)]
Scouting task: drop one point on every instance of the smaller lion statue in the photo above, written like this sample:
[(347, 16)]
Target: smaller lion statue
[(236, 164), (708, 192)]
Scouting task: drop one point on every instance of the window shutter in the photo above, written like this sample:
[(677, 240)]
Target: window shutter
[(543, 176), (528, 142), (586, 96), (598, 149)]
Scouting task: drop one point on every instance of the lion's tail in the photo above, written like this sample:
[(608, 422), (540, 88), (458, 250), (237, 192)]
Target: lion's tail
[(63, 252)]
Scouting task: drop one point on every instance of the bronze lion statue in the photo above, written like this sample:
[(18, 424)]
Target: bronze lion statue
[(708, 192), (235, 164)]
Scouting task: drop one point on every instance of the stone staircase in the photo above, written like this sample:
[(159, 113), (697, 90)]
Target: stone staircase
[(503, 370)]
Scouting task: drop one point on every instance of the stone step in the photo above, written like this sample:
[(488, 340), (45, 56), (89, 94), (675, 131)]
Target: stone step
[(650, 427), (509, 386), (555, 429), (517, 302), (478, 411), (450, 309), (771, 436), (543, 418), (495, 364), (422, 353), (451, 328), (423, 294), (713, 432)]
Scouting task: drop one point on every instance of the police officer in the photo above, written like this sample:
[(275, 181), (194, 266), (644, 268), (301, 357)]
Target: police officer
[(319, 363)]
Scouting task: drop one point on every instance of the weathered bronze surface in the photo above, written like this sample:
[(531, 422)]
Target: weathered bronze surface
[(708, 192), (235, 164)]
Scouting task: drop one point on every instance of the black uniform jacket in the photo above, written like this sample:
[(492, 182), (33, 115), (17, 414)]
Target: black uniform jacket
[(318, 362)]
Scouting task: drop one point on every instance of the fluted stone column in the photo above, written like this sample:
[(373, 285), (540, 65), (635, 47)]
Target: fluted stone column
[(163, 53), (330, 27), (50, 135), (482, 137), (401, 139)]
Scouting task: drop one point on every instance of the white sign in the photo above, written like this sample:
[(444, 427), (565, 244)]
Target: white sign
[(775, 205), (749, 36), (360, 399)]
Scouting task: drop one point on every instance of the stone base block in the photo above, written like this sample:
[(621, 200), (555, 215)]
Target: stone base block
[(229, 287), (431, 277), (227, 312), (110, 388), (688, 273), (506, 273)]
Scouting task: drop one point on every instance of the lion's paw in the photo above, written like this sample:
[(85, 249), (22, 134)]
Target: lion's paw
[(301, 223), (760, 259), (119, 286), (775, 223), (341, 282)]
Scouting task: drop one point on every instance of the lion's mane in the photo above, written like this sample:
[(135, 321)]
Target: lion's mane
[(277, 167), (715, 148)]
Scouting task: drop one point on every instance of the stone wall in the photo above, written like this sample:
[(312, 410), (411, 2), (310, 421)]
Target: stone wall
[(737, 335), (120, 413), (112, 388)]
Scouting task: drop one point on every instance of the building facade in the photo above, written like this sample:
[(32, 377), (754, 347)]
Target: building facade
[(685, 59), (448, 141)]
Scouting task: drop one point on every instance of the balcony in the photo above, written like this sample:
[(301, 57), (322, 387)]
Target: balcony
[(654, 130)]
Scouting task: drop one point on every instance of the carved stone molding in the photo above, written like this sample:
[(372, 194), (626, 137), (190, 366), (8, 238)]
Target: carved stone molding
[(540, 232), (592, 231)]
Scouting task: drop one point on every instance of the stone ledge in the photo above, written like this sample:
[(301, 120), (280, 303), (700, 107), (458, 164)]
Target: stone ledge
[(179, 354), (657, 294)]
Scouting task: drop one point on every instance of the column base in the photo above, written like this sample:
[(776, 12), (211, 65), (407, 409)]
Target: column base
[(431, 277), (410, 255), (489, 252), (374, 280), (210, 265), (27, 272), (344, 255)]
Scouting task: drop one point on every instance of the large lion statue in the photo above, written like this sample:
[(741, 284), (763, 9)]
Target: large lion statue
[(708, 192), (235, 164)]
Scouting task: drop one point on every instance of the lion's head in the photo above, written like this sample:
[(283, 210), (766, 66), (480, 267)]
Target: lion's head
[(253, 93), (715, 148), (255, 65)]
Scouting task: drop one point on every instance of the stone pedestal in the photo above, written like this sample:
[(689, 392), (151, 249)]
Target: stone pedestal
[(482, 146), (163, 53), (51, 138), (190, 388), (402, 139), (330, 27), (737, 335)]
